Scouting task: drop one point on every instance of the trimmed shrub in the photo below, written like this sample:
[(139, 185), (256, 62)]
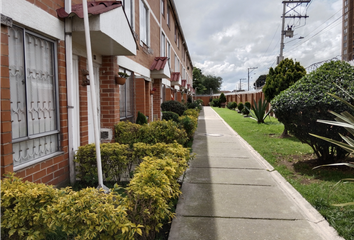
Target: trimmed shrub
[(240, 107), (216, 102), (246, 109), (173, 106), (194, 105), (116, 159), (189, 124), (155, 132), (141, 119), (299, 107), (229, 105), (191, 112), (222, 98), (170, 116)]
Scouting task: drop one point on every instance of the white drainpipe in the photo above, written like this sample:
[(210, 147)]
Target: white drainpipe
[(70, 93), (93, 96)]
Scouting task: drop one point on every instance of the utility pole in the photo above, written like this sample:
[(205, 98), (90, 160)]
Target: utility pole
[(248, 82), (289, 31), (240, 83)]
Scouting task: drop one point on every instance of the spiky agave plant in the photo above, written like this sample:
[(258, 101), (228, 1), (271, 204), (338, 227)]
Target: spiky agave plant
[(259, 110), (346, 120)]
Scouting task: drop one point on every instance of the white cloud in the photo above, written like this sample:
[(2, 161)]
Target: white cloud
[(227, 37)]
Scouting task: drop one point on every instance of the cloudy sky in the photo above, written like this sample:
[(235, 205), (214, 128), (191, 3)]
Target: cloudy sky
[(227, 37)]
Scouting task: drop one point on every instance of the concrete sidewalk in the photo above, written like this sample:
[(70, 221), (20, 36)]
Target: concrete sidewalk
[(231, 192)]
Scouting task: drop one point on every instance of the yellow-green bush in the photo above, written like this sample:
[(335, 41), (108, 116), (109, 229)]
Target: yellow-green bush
[(89, 213), (150, 192), (21, 206), (191, 112), (116, 159)]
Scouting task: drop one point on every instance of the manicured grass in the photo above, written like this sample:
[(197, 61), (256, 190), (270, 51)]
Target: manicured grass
[(295, 161)]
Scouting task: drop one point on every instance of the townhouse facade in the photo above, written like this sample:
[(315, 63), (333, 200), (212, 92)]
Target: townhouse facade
[(46, 111), (347, 30)]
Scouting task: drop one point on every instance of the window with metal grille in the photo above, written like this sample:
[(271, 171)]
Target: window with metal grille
[(34, 97), (126, 97)]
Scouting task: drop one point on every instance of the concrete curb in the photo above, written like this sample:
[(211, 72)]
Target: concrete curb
[(315, 219)]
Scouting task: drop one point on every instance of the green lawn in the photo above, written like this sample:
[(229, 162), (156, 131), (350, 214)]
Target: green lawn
[(295, 161)]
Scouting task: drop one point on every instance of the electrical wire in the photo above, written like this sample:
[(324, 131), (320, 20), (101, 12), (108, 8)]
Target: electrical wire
[(272, 38)]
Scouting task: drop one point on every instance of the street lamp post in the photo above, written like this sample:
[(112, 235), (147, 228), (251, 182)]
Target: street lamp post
[(248, 82)]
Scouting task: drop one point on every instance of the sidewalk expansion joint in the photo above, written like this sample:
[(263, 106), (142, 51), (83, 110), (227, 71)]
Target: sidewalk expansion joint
[(242, 218), (232, 184)]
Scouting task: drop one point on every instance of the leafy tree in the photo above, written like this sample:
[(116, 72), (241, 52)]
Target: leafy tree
[(261, 80), (281, 78), (299, 107), (205, 83)]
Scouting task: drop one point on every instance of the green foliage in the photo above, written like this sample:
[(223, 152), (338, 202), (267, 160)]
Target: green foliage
[(205, 83), (299, 107), (232, 105), (191, 112), (141, 119), (259, 110), (155, 132), (189, 99), (173, 106), (215, 102), (189, 124), (246, 109), (282, 77), (240, 106), (116, 158), (170, 116), (222, 98)]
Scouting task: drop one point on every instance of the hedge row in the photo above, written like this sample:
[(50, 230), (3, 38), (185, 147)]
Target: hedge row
[(32, 211)]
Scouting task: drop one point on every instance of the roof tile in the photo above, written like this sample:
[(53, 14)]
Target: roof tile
[(175, 76), (94, 8), (159, 63)]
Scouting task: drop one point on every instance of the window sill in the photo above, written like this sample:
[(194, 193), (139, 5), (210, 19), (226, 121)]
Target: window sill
[(38, 160)]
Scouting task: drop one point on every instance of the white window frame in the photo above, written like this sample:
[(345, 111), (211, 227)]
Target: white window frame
[(163, 7), (41, 142), (163, 45), (144, 19), (169, 52), (176, 63), (131, 12), (168, 15), (130, 81)]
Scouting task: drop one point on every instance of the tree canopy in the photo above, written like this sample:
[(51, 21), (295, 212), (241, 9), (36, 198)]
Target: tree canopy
[(205, 83), (282, 77)]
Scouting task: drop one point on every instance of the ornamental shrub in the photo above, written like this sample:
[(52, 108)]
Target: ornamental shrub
[(216, 102), (191, 112), (126, 132), (173, 106), (247, 108), (299, 107), (170, 116), (240, 107), (229, 105), (194, 105), (189, 124), (222, 98), (141, 119)]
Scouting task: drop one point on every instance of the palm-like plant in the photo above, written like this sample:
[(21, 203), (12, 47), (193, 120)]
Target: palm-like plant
[(260, 110), (346, 120)]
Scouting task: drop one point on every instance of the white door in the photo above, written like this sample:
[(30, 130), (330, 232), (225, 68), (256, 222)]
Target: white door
[(96, 74), (76, 104)]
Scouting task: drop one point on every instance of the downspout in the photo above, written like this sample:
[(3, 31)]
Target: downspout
[(93, 97), (69, 89)]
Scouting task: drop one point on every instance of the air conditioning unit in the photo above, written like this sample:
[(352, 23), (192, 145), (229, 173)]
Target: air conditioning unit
[(106, 134)]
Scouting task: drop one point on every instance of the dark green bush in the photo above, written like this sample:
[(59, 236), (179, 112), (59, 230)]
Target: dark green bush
[(229, 105), (246, 109), (173, 106), (194, 105), (299, 107), (216, 102), (155, 132), (170, 116), (189, 124), (222, 98), (141, 119), (240, 107)]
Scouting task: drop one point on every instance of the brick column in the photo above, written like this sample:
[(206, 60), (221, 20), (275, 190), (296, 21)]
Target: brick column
[(109, 92), (179, 97), (83, 104), (157, 99), (168, 94), (140, 98), (6, 126)]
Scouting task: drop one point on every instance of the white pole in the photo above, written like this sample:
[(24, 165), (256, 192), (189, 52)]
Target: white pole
[(93, 96)]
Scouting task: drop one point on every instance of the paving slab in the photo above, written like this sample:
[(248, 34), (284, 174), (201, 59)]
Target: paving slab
[(242, 162), (228, 176), (189, 228), (240, 201)]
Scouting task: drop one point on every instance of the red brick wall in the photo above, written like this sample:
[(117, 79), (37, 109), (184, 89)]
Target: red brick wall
[(140, 97), (84, 137), (179, 97), (6, 138), (168, 94), (49, 6), (148, 100), (110, 114)]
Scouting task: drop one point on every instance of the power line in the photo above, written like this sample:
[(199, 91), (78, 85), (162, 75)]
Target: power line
[(273, 37)]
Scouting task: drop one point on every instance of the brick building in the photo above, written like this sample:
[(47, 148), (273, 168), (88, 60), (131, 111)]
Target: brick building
[(46, 111), (347, 30)]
